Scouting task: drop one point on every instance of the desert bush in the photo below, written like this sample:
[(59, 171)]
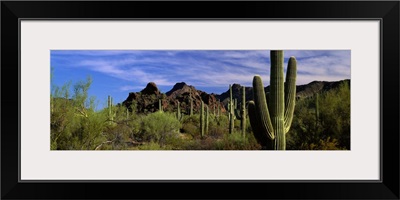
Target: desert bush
[(236, 141), (74, 122), (191, 125), (323, 144), (158, 126), (331, 130)]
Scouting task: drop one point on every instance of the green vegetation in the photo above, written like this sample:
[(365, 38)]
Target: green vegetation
[(76, 124), (321, 122)]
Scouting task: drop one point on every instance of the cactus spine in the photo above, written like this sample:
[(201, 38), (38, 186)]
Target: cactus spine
[(273, 124), (231, 112), (202, 125)]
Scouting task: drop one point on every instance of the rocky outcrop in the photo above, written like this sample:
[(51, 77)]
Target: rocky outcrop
[(183, 93), (150, 89), (147, 100)]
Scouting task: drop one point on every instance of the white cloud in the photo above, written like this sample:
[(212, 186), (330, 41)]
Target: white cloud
[(131, 87), (209, 68)]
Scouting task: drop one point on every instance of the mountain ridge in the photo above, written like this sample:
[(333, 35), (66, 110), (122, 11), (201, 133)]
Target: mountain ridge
[(148, 99)]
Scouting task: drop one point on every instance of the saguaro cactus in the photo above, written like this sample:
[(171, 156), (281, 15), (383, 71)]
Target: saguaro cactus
[(243, 112), (111, 113), (316, 109), (235, 103), (160, 108), (240, 113), (270, 126), (219, 103), (214, 109), (178, 112), (202, 125), (207, 115), (191, 104), (231, 112)]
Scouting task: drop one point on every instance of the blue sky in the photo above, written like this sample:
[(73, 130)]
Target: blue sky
[(118, 72)]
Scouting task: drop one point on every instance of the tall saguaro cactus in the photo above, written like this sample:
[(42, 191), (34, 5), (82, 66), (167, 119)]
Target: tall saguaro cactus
[(231, 111), (270, 126), (207, 115), (243, 112), (202, 124)]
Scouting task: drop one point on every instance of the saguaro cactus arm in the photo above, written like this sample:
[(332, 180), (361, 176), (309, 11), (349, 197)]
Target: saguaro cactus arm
[(290, 92), (258, 130), (261, 109)]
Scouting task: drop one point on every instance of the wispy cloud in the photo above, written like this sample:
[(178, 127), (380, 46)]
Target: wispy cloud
[(131, 87), (207, 69)]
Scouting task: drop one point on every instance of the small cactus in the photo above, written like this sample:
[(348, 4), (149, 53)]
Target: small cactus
[(160, 108), (191, 104), (111, 113), (178, 112), (218, 107)]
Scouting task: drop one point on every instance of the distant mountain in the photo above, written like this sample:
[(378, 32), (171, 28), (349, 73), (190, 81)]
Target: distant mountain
[(310, 89), (302, 91), (147, 99)]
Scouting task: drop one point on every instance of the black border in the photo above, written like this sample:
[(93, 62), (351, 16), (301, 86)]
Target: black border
[(386, 11)]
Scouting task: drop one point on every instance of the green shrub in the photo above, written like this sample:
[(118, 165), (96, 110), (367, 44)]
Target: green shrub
[(331, 130), (74, 123), (235, 141), (158, 126)]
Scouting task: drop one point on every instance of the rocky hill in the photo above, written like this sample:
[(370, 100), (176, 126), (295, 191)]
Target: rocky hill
[(147, 100)]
